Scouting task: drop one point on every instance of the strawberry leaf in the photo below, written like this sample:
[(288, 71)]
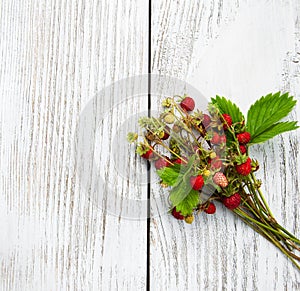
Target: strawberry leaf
[(276, 129), (265, 113), (228, 107), (184, 198), (169, 175), (182, 195)]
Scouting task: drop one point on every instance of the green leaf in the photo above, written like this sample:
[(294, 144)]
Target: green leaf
[(173, 175), (228, 107), (169, 175), (184, 198), (181, 195), (266, 112), (276, 129), (188, 168), (187, 206), (179, 192)]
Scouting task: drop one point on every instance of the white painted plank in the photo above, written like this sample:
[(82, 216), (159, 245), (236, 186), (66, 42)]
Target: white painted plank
[(241, 50), (55, 56)]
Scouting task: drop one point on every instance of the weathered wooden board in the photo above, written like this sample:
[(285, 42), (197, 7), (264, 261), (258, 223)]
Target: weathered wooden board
[(55, 56), (242, 50)]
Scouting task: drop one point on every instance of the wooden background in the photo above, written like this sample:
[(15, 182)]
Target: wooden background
[(55, 56)]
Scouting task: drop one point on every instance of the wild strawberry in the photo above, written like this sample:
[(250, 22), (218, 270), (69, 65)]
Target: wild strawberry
[(216, 163), (197, 182), (166, 133), (189, 219), (220, 179), (196, 148), (206, 173), (243, 149), (169, 118), (148, 155), (211, 209), (177, 214), (212, 155), (188, 104), (166, 136), (254, 165), (176, 128), (180, 161), (244, 137), (161, 163), (216, 138), (233, 201), (206, 120), (222, 138), (245, 168), (228, 121)]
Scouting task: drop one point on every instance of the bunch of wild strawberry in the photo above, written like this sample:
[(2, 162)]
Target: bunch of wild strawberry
[(204, 157), (202, 139)]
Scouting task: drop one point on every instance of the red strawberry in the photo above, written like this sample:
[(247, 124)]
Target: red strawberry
[(211, 209), (233, 201), (228, 121), (177, 214), (188, 104), (161, 163), (216, 163), (245, 168), (166, 136), (215, 139), (180, 161), (222, 138), (148, 155), (166, 133), (197, 182), (220, 179), (243, 149), (244, 137), (206, 120)]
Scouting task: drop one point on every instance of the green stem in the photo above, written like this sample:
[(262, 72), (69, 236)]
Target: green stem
[(262, 196), (268, 236), (283, 235)]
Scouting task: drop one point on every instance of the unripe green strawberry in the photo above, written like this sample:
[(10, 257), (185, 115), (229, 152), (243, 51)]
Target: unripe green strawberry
[(212, 155), (220, 180), (189, 219), (233, 201), (169, 118), (206, 173), (188, 104), (228, 121), (245, 168), (211, 209), (243, 137), (197, 182), (254, 165)]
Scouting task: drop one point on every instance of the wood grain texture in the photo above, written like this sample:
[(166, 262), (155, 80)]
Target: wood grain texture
[(55, 56), (242, 50)]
